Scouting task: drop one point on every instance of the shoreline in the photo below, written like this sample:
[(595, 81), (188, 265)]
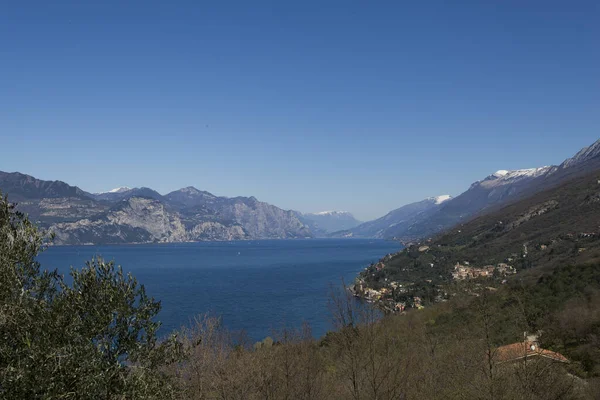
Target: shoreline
[(210, 241)]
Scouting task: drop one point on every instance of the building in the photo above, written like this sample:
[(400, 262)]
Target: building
[(373, 294), (525, 350), (462, 272)]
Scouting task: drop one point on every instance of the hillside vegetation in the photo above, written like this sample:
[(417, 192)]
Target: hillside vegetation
[(549, 229), (95, 339), (431, 216)]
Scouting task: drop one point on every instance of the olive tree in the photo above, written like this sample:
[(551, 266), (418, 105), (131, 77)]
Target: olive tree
[(94, 337)]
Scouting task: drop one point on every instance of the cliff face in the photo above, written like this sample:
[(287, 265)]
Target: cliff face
[(132, 221), (144, 216), (147, 220), (264, 220)]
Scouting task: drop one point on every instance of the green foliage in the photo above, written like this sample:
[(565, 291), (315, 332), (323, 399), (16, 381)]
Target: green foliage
[(446, 351), (95, 338), (535, 235), (92, 339)]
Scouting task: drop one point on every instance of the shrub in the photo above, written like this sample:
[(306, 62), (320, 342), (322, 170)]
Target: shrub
[(94, 338)]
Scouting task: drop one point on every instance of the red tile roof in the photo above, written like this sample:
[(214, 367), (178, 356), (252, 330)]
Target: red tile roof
[(517, 351)]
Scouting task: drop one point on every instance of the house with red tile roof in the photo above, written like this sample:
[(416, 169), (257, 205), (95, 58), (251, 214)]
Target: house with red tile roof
[(525, 350)]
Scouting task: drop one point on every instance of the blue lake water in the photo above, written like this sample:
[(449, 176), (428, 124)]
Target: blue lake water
[(256, 286)]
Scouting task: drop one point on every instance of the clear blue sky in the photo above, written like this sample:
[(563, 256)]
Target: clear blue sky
[(358, 106)]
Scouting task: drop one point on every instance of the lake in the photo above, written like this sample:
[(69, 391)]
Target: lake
[(256, 286)]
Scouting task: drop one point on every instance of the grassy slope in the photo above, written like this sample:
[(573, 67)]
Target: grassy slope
[(548, 226)]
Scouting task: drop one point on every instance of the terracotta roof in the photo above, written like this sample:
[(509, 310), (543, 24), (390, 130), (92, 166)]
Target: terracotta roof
[(516, 351)]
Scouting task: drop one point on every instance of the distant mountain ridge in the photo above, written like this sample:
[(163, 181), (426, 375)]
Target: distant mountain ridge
[(325, 222), (27, 187), (126, 193), (584, 155), (425, 218), (142, 215), (531, 237), (396, 221), (117, 190), (127, 215), (502, 188)]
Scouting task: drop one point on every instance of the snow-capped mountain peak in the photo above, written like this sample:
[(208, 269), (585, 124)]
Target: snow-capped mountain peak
[(121, 189), (442, 198), (439, 199), (329, 221), (331, 213), (585, 154), (503, 176)]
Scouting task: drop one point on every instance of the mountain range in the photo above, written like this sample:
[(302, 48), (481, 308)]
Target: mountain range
[(395, 220), (533, 236), (430, 216), (142, 215), (326, 222)]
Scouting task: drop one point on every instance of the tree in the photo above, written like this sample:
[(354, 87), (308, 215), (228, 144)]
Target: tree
[(94, 338)]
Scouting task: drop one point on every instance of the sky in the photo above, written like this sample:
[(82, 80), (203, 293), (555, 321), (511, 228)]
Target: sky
[(312, 105)]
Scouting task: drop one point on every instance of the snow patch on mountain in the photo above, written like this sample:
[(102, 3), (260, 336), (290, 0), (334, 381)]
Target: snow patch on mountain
[(325, 222), (121, 189), (331, 213), (585, 154), (504, 177), (442, 198), (521, 173), (439, 199)]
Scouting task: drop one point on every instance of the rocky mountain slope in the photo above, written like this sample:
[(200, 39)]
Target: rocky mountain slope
[(502, 188), (396, 222), (496, 190), (126, 193), (555, 227), (22, 186), (323, 223), (142, 215)]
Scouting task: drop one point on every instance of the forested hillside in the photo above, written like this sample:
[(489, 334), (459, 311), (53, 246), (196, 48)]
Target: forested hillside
[(549, 229), (95, 338)]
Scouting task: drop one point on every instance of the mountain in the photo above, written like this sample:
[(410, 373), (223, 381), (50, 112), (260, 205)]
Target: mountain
[(134, 220), (126, 193), (584, 155), (142, 215), (496, 190), (531, 265), (118, 190), (48, 202), (397, 221), (326, 222), (190, 197), (22, 186), (554, 227)]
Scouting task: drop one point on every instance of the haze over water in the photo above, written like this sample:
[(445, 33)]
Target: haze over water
[(256, 286)]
